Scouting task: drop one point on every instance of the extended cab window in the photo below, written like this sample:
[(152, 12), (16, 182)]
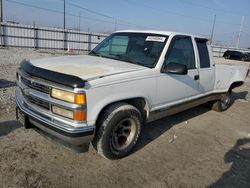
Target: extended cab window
[(203, 54), (181, 51)]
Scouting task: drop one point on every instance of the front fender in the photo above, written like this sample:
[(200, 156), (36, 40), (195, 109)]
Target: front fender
[(98, 98)]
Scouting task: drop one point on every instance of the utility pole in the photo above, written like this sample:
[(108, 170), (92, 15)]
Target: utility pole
[(212, 33), (115, 24), (79, 27), (79, 22), (241, 29), (1, 21), (1, 10), (64, 26)]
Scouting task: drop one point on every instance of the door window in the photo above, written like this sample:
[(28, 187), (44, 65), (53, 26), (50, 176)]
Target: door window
[(181, 51)]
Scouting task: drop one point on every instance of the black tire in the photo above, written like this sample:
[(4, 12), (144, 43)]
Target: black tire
[(224, 103), (227, 57), (118, 131)]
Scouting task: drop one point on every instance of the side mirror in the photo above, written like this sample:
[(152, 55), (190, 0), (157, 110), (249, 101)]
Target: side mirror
[(175, 68)]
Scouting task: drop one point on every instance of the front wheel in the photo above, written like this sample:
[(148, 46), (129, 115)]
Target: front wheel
[(224, 103), (119, 130)]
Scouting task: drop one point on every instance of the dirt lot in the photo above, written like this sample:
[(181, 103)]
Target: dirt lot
[(195, 148)]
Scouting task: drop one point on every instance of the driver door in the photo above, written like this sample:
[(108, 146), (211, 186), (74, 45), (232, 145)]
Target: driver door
[(174, 88)]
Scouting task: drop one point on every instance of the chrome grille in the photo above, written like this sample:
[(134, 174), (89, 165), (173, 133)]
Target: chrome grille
[(36, 93), (37, 101), (35, 85)]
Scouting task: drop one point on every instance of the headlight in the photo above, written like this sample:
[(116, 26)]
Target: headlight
[(75, 115), (77, 98)]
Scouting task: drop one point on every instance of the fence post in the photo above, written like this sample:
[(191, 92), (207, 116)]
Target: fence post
[(1, 35), (89, 41), (36, 44), (65, 39), (4, 36), (220, 52)]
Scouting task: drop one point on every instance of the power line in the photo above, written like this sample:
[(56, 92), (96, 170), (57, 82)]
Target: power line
[(206, 7), (175, 13), (228, 33), (91, 11), (104, 15), (163, 11), (247, 34), (61, 12), (37, 7)]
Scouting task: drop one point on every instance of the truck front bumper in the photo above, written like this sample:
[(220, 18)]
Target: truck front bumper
[(75, 136)]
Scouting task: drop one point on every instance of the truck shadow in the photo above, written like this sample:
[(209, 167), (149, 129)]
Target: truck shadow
[(5, 83), (239, 95), (8, 126), (155, 129), (239, 173)]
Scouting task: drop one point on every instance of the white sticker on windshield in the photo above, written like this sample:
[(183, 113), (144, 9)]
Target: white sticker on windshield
[(155, 38)]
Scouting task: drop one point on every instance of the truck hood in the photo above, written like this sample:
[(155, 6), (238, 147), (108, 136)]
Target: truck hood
[(85, 67)]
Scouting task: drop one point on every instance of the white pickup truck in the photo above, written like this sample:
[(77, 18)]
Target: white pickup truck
[(131, 78)]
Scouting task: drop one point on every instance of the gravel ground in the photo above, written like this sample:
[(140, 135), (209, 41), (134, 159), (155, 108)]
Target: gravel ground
[(195, 148), (9, 62)]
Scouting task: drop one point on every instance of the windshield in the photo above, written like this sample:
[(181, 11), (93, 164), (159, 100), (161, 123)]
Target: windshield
[(137, 48)]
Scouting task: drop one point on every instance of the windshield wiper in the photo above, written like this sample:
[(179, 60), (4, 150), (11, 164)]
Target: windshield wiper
[(123, 58), (127, 59)]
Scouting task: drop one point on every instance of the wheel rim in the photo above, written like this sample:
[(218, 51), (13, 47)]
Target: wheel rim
[(225, 101), (123, 134)]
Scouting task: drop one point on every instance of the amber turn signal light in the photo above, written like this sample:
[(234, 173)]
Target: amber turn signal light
[(80, 115), (80, 98)]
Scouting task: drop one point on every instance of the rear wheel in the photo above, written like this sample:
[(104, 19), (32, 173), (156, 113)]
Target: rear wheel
[(118, 132), (224, 103)]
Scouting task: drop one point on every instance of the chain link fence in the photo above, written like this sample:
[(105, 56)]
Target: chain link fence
[(25, 36), (218, 51)]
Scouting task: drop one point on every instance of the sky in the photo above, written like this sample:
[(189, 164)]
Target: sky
[(188, 16)]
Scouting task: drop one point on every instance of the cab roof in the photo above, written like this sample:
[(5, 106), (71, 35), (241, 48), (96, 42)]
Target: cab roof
[(167, 33)]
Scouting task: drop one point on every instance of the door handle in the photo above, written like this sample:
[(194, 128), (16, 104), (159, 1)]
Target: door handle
[(196, 77)]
